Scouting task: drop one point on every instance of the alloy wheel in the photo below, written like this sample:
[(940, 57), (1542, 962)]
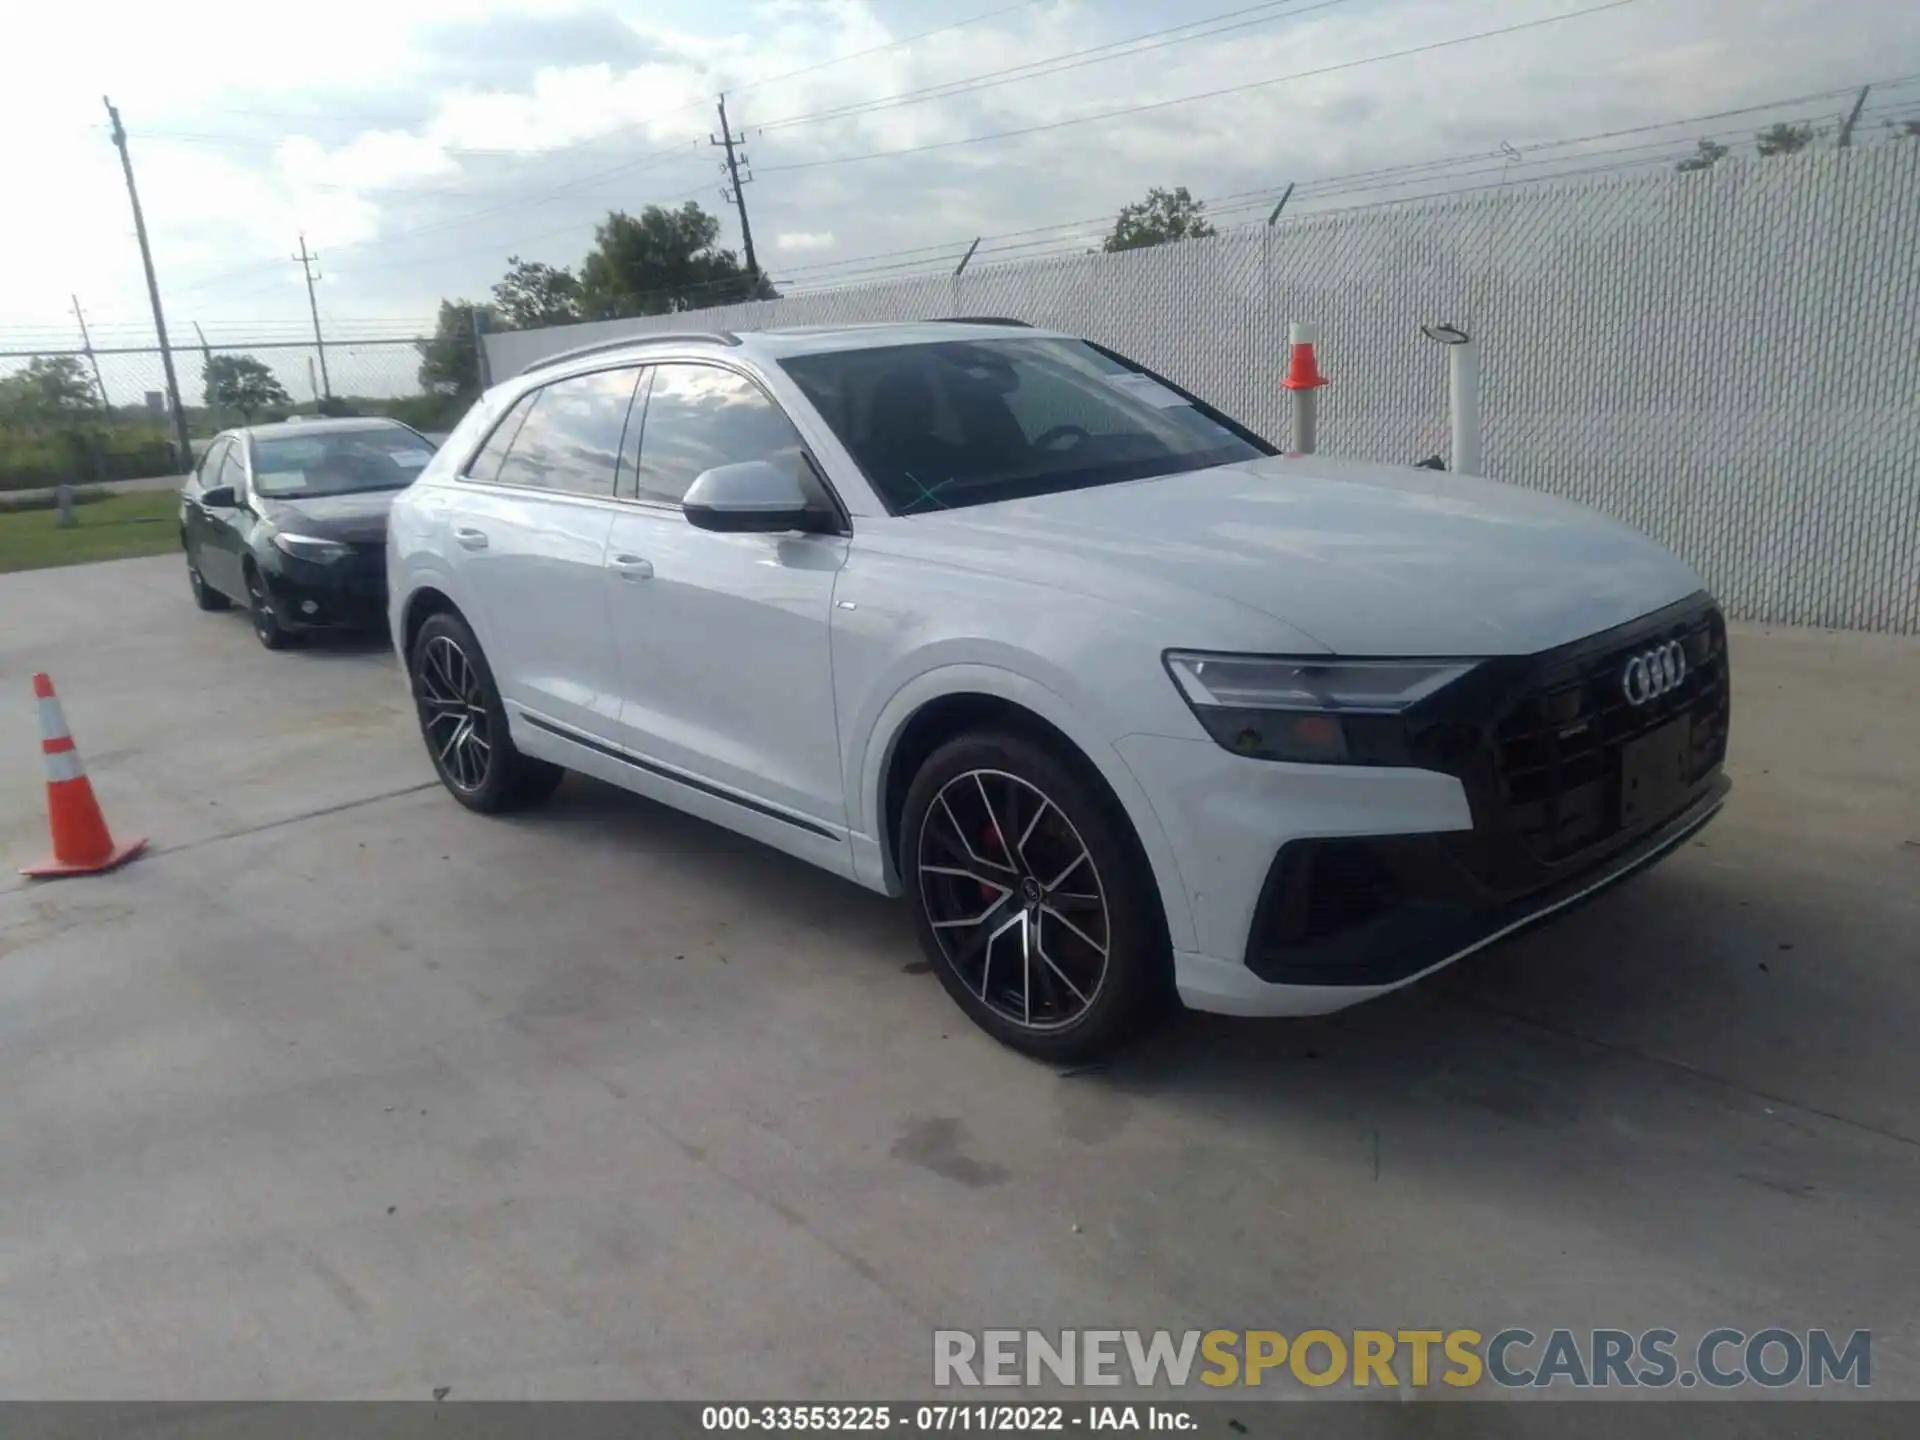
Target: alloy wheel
[(1014, 898), (264, 625), (453, 712)]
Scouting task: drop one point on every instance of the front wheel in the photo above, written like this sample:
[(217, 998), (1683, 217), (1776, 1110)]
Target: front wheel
[(1031, 897), (267, 628), (465, 725), (204, 595)]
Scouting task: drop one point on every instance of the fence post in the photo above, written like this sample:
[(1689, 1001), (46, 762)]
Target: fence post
[(1303, 381), (1463, 395)]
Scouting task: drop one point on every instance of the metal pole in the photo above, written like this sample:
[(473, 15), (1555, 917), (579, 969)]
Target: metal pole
[(1463, 405), (1285, 196), (1305, 398), (482, 364), (86, 344), (313, 307), (153, 290), (966, 257)]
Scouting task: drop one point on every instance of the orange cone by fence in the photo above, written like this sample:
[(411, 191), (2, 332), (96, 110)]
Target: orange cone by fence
[(81, 842), (1303, 368)]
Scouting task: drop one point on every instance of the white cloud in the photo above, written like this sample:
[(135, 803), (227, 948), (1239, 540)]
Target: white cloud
[(525, 159)]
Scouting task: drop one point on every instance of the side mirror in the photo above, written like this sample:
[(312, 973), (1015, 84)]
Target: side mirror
[(753, 497), (220, 497)]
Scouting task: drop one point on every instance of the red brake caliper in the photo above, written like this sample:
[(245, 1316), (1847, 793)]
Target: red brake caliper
[(990, 837)]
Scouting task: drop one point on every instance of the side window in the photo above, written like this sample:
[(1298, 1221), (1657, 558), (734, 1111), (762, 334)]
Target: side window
[(486, 465), (233, 471), (570, 440), (210, 463), (700, 416)]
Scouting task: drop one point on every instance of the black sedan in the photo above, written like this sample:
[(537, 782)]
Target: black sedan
[(290, 520)]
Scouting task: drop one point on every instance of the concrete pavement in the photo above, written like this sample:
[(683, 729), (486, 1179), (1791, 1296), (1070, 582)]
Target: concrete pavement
[(346, 1092)]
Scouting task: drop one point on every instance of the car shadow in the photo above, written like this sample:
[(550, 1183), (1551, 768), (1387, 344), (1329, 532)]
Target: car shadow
[(1679, 974)]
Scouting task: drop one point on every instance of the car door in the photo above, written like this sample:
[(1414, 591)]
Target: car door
[(224, 546), (195, 522), (722, 640), (528, 522)]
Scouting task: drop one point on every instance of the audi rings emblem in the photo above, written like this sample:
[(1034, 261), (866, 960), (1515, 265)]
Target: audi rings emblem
[(1655, 672)]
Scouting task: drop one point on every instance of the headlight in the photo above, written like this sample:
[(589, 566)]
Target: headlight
[(1300, 708), (310, 547)]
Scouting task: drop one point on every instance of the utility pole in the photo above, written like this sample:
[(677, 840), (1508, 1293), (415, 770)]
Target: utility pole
[(86, 344), (1853, 118), (181, 437), (737, 197), (313, 306), (206, 370)]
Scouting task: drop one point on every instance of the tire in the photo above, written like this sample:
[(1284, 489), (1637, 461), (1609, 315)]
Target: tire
[(204, 595), (464, 725), (1028, 967), (267, 628)]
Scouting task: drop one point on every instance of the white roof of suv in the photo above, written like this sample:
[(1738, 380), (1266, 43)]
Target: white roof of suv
[(776, 344)]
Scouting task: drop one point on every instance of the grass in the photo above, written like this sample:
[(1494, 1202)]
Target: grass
[(143, 523)]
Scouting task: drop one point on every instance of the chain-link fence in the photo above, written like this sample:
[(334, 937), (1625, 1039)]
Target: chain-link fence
[(61, 418), (1728, 360)]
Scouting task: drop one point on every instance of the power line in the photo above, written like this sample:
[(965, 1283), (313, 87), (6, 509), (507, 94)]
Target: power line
[(1071, 60), (1426, 49)]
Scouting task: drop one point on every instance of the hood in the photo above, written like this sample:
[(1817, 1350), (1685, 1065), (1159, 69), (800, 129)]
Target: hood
[(359, 518), (1365, 559)]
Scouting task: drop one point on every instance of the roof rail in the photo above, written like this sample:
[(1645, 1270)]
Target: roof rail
[(982, 320), (651, 337)]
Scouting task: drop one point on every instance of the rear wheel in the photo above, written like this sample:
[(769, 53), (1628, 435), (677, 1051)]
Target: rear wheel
[(1031, 898), (465, 725)]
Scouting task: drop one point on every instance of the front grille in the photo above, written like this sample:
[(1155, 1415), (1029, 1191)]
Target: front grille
[(1557, 750)]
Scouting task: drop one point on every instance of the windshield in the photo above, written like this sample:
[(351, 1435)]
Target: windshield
[(337, 462), (966, 422)]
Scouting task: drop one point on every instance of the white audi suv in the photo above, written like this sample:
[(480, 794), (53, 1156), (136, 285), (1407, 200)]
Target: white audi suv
[(1133, 709)]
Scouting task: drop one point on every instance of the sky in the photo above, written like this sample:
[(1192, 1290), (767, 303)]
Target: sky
[(416, 144)]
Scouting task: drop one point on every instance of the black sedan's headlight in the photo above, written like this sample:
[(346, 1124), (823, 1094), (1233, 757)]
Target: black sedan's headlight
[(1310, 709), (311, 547)]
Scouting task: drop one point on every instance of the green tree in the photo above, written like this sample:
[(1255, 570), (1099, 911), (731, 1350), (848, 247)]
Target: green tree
[(661, 262), (449, 364), (1710, 154), (1783, 139), (535, 294), (1164, 215), (51, 389), (240, 382)]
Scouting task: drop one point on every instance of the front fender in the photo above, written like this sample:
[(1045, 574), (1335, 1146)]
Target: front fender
[(867, 771)]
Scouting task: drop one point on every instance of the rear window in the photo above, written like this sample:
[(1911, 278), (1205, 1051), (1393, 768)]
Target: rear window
[(968, 422)]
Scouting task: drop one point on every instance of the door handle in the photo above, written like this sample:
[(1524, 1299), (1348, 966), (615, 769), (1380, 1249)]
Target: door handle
[(632, 567), (470, 539)]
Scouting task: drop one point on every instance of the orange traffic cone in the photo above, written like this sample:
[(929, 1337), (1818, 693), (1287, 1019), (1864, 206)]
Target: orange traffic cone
[(1303, 367), (81, 842)]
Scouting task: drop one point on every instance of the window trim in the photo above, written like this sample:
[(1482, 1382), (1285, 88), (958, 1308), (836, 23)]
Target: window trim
[(842, 516), (464, 476)]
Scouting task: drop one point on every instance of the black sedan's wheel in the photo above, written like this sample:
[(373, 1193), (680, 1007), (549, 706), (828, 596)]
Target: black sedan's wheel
[(204, 595), (266, 625), (465, 725), (1030, 897)]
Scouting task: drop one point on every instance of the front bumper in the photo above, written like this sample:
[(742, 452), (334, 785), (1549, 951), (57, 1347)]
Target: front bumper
[(1314, 887), (349, 594)]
